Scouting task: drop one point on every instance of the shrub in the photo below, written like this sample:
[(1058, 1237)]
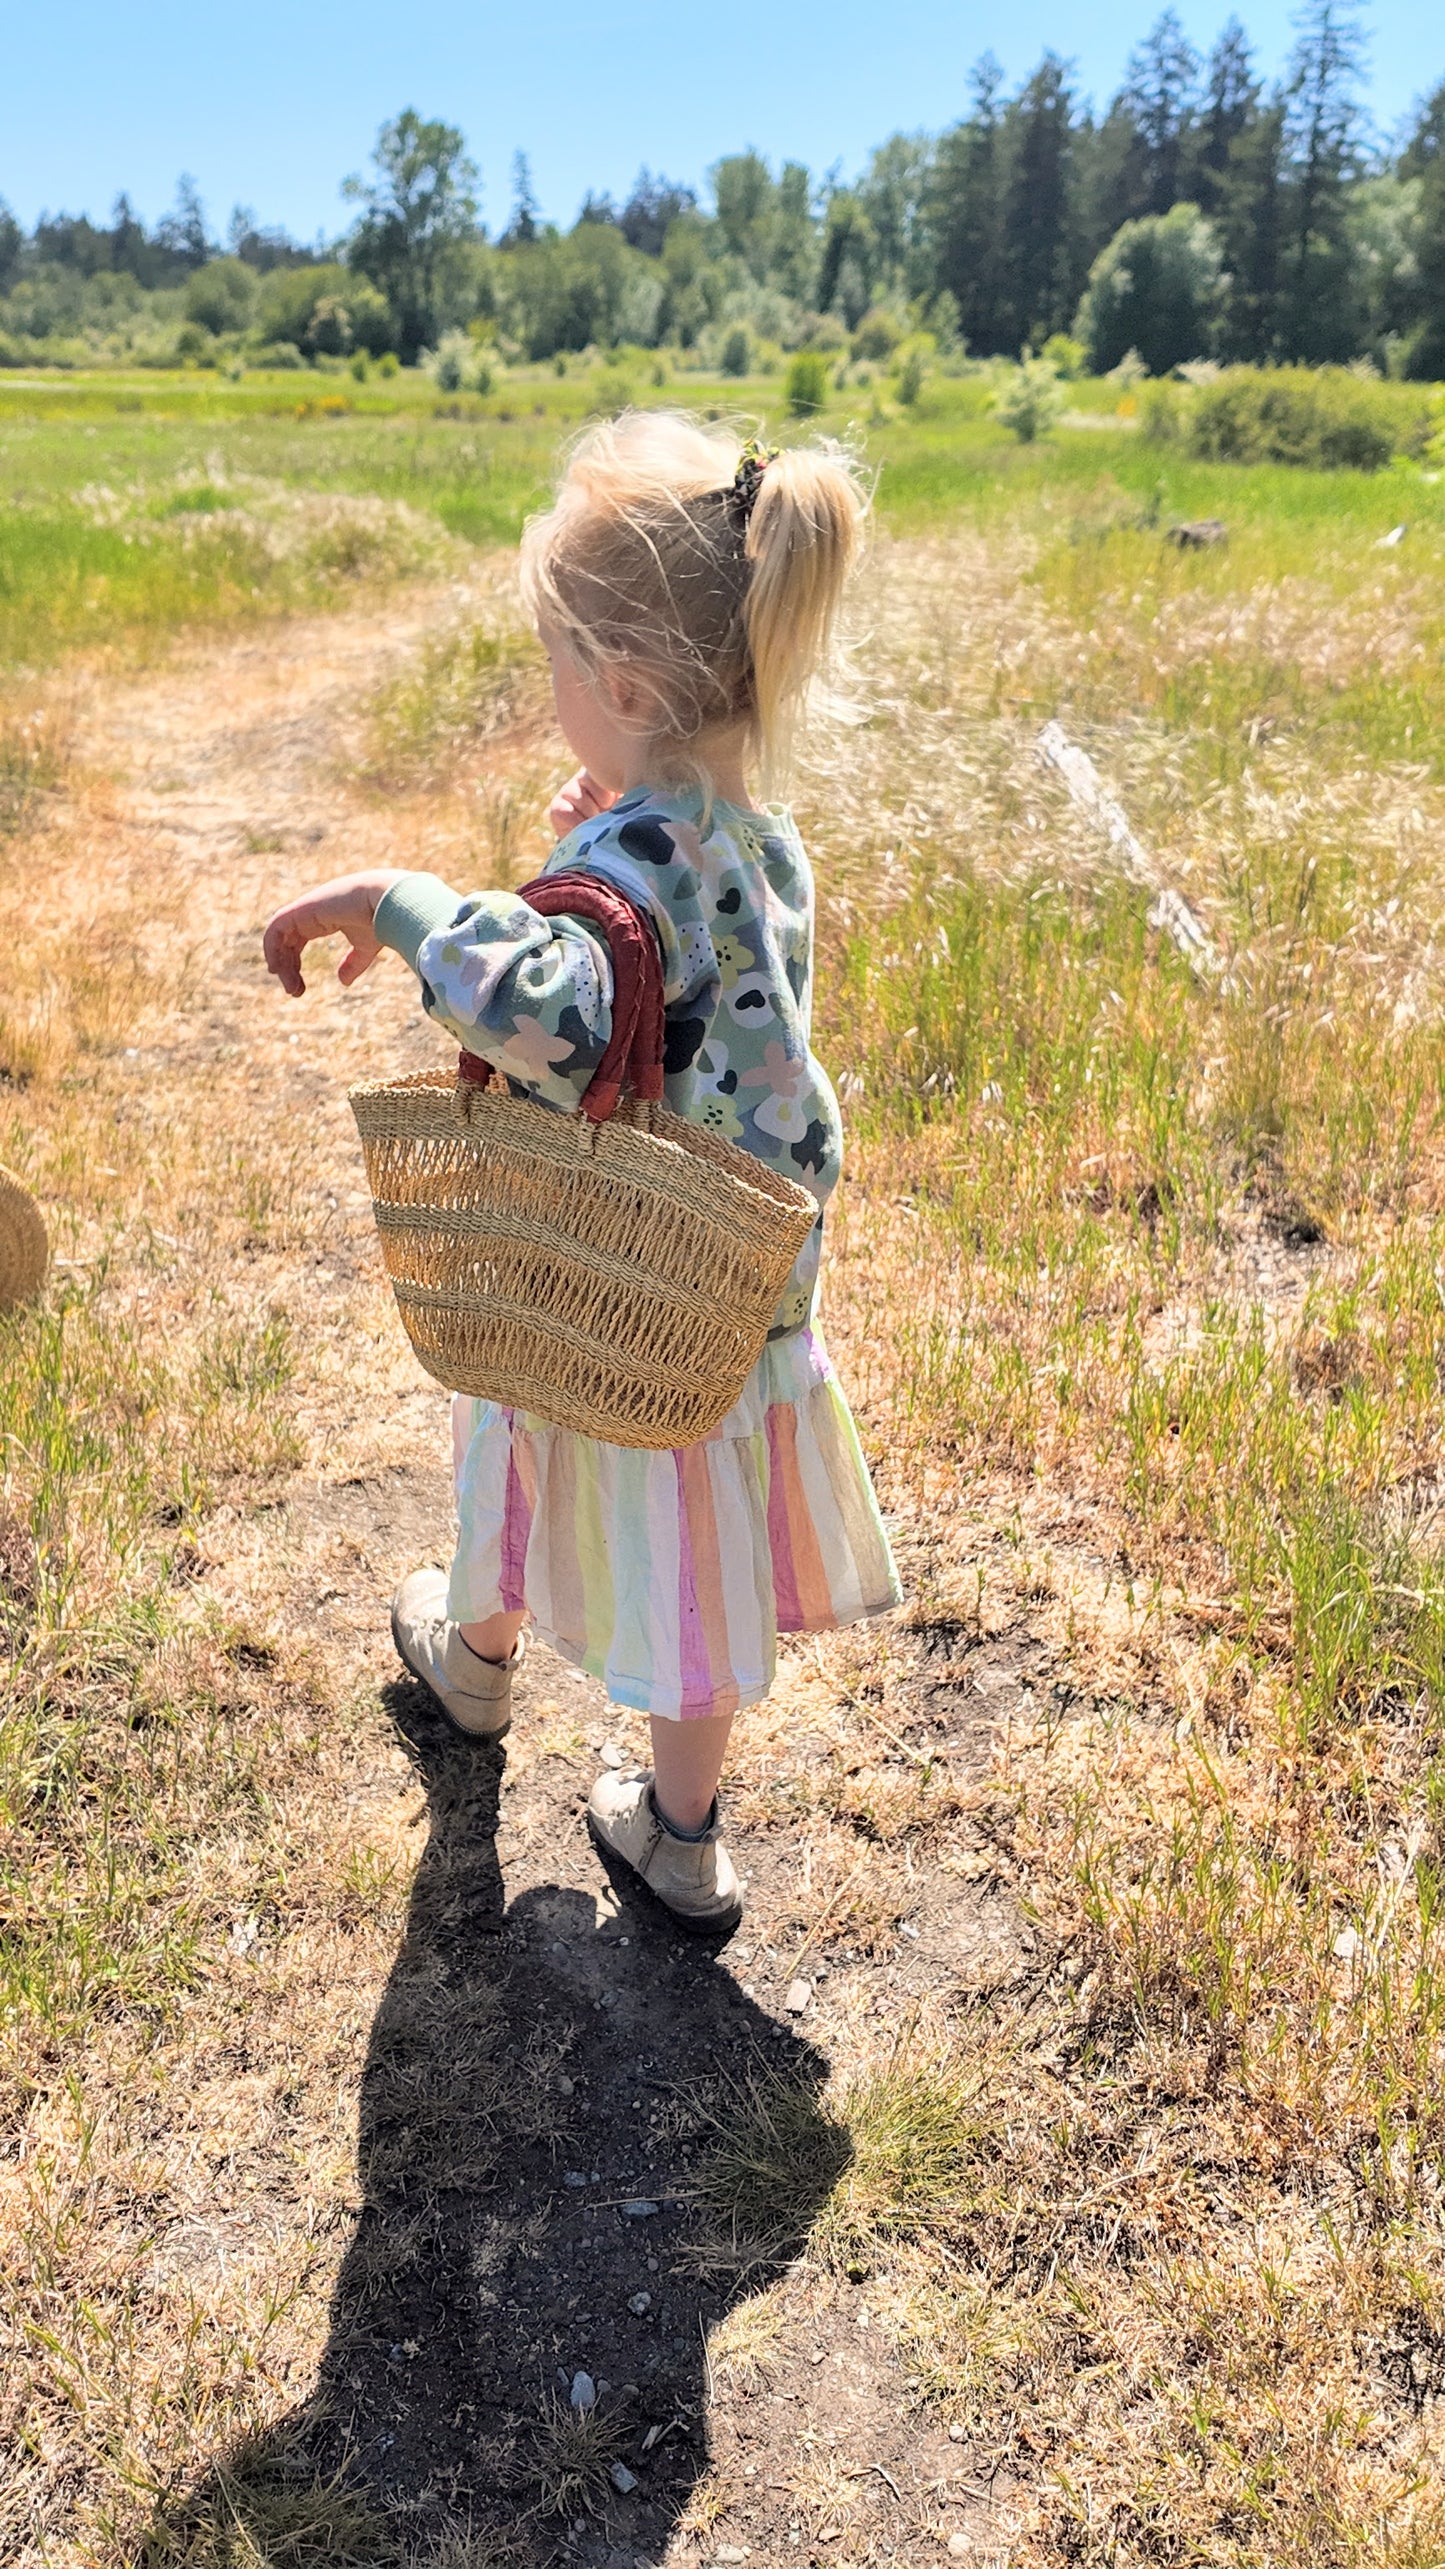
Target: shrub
[(1328, 418), (910, 377), (221, 296), (447, 363), (737, 353), (1161, 413), (1029, 400), (805, 385), (1157, 287), (459, 364), (821, 330), (1067, 356), (876, 336), (389, 363), (327, 310)]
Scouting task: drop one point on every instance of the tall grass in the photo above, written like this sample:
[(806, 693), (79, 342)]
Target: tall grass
[(87, 553)]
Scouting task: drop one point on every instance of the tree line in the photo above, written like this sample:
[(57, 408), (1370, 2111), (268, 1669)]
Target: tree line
[(1205, 212)]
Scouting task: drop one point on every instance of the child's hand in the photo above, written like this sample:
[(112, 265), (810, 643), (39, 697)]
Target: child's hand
[(345, 908), (581, 799)]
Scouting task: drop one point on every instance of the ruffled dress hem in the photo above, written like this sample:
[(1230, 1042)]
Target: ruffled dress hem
[(669, 1576)]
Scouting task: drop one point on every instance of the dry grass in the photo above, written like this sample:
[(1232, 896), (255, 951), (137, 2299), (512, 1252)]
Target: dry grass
[(196, 1918), (1167, 1254), (278, 2518), (1138, 1281), (745, 2348)]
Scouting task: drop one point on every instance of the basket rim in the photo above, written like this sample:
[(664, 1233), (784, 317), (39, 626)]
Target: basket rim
[(662, 1125)]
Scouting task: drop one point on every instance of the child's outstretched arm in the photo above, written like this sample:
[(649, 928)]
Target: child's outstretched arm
[(531, 995), (347, 908)]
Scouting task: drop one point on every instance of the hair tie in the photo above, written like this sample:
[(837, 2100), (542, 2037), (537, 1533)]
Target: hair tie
[(747, 480)]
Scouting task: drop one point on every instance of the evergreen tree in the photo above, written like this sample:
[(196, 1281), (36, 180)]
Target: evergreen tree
[(1325, 130), (72, 241), (966, 218), (12, 243), (849, 262), (1116, 184), (1425, 150), (1158, 98), (1229, 106), (130, 250), (1041, 251), (182, 232), (522, 226), (1424, 162), (1250, 213), (263, 246)]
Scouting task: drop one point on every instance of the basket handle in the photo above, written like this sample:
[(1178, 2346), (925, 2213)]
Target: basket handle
[(634, 1048)]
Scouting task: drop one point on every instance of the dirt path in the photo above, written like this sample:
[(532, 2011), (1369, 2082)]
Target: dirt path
[(446, 2094)]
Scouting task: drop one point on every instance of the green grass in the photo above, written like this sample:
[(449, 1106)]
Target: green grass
[(106, 481), (898, 2158)]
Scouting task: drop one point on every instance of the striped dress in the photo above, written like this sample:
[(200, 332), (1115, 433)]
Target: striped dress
[(668, 1576)]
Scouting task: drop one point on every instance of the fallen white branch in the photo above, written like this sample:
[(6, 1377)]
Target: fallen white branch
[(1168, 909)]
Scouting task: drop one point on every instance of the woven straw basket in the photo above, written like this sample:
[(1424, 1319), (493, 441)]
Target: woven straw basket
[(24, 1248), (616, 1271)]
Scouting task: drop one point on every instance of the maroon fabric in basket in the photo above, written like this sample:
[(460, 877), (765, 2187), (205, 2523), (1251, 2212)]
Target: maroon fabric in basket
[(634, 1050)]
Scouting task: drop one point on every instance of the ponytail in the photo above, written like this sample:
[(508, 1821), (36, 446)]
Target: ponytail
[(803, 540), (645, 562)]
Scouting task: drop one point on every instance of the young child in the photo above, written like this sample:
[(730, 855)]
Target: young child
[(685, 593)]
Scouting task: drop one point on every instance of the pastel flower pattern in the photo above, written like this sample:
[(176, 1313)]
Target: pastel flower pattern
[(731, 896)]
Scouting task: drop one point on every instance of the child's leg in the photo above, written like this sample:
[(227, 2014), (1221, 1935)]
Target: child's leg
[(687, 1759), (494, 1639), (665, 1828)]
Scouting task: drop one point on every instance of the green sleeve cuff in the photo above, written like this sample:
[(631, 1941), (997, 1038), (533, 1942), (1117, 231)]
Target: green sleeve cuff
[(415, 907)]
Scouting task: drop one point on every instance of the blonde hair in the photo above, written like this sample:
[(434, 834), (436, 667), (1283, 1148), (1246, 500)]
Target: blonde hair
[(649, 562)]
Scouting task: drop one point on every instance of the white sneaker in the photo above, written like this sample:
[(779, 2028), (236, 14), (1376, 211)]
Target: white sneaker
[(693, 1877), (474, 1694)]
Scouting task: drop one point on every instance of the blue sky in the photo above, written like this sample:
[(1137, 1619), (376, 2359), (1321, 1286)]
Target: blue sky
[(273, 104)]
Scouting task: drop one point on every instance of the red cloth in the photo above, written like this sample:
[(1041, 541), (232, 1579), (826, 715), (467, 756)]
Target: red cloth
[(634, 1050)]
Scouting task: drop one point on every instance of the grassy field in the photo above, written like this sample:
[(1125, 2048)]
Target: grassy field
[(1101, 2173)]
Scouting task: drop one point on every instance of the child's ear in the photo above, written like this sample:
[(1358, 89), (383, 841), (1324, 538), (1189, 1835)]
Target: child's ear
[(627, 696)]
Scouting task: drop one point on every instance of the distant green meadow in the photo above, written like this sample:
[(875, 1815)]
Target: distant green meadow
[(133, 505)]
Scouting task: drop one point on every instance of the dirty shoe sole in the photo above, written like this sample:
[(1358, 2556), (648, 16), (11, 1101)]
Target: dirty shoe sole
[(478, 1738), (721, 1923)]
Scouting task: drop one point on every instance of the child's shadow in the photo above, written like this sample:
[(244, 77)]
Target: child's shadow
[(530, 2091)]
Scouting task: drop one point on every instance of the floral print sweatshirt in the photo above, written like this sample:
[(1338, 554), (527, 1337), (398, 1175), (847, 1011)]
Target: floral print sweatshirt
[(732, 902)]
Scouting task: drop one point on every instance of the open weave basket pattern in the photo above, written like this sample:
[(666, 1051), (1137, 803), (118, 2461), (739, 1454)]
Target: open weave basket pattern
[(616, 1278)]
